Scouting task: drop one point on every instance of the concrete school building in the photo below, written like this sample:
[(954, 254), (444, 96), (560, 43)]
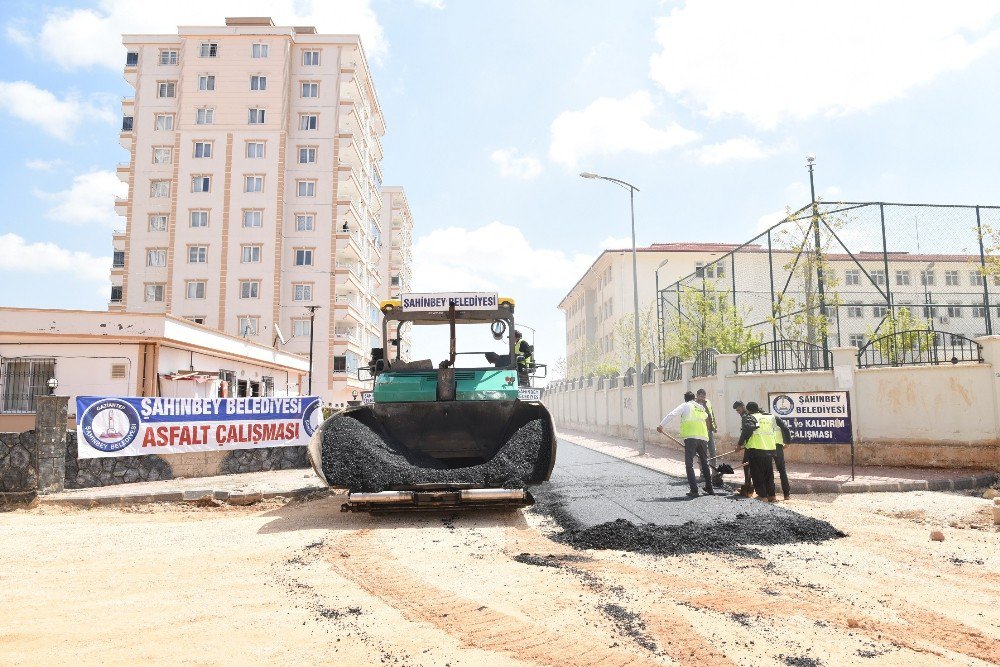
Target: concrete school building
[(255, 191), (94, 353)]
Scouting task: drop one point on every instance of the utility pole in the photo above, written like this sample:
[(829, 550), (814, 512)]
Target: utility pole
[(312, 320), (820, 282)]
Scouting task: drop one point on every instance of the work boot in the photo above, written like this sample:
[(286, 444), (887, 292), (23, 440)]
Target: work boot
[(772, 499), (788, 496), (709, 491), (692, 494)]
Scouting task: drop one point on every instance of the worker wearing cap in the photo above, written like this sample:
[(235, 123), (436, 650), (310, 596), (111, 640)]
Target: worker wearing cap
[(694, 433), (760, 446), (525, 352), (748, 424)]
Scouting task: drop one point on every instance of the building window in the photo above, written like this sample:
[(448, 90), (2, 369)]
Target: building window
[(250, 254), (699, 269), (253, 183), (340, 364), (209, 50), (252, 218), (307, 155), (855, 310), (203, 149), (249, 325), (951, 278), (302, 292), (156, 257), (167, 57), (157, 223), (256, 117), (201, 184), (116, 294), (131, 59), (301, 328), (310, 57), (25, 380), (255, 150), (197, 254), (394, 281), (857, 340), (308, 121), (159, 189), (118, 259), (310, 89), (258, 50), (954, 310), (196, 289), (249, 289), (258, 82), (304, 222), (127, 123), (306, 188), (902, 278), (879, 311), (716, 270), (197, 319), (154, 292), (166, 89), (852, 277), (878, 277), (930, 311), (927, 278), (206, 82), (163, 121), (204, 116), (979, 310), (303, 257), (161, 155), (976, 278), (199, 218)]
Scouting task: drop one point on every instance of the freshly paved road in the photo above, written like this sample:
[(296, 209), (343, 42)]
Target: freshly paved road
[(594, 488)]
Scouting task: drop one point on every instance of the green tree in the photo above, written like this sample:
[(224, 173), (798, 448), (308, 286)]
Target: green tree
[(900, 335), (622, 354), (707, 319)]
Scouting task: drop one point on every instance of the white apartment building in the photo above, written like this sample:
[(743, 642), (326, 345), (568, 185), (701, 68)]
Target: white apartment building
[(255, 190), (948, 291), (397, 259)]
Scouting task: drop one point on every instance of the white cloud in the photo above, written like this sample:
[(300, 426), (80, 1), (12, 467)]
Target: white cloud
[(80, 38), (616, 243), (433, 4), (45, 165), (610, 126), (17, 256), (89, 199), (494, 257), (54, 116), (513, 166), (739, 149), (786, 59)]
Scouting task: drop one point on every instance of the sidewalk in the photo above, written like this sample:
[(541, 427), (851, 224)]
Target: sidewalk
[(803, 477), (241, 489)]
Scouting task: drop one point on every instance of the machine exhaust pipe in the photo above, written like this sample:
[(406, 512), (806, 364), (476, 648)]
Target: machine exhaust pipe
[(493, 494), (382, 497)]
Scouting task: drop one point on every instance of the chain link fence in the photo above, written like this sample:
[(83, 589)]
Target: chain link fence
[(842, 274)]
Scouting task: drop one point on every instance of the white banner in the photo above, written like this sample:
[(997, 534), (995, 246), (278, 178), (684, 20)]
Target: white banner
[(442, 301), (816, 417), (113, 426)]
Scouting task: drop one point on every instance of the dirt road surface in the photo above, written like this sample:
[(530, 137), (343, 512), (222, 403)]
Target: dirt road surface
[(302, 582)]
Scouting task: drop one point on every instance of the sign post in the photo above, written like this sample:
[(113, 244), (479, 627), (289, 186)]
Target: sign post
[(816, 417)]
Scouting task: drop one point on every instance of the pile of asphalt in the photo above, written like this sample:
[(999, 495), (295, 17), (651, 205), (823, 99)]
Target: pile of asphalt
[(357, 458), (728, 537)]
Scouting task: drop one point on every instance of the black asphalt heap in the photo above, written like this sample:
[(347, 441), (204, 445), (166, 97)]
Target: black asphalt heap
[(356, 458), (691, 537)]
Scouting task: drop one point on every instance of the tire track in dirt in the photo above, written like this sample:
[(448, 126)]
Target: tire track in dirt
[(471, 623)]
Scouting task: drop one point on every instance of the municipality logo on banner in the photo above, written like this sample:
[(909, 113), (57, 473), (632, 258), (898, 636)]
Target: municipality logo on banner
[(113, 426)]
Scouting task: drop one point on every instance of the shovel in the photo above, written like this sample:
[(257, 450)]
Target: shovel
[(717, 471)]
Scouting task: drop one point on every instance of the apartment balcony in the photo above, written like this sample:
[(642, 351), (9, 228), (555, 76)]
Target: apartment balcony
[(125, 139), (347, 336), (123, 170), (121, 206), (348, 281), (349, 306), (349, 244)]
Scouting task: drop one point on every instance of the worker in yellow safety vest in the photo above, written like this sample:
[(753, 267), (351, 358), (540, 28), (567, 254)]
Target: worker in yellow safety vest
[(782, 437), (760, 446), (694, 432), (702, 397)]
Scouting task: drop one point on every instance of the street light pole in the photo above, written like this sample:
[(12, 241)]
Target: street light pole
[(312, 320), (640, 426)]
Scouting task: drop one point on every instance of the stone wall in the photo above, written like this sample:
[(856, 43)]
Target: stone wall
[(81, 473), (267, 458), (18, 464)]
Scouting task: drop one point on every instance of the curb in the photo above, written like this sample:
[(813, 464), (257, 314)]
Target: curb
[(831, 486), (239, 498)]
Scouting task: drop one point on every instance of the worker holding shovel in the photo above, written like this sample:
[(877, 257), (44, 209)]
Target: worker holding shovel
[(694, 433)]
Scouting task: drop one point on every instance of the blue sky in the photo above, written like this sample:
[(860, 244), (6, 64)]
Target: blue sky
[(493, 108)]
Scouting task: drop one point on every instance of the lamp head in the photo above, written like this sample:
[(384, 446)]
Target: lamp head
[(810, 158), (587, 174)]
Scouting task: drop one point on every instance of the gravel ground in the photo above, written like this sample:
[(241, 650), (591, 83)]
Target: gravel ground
[(289, 582)]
